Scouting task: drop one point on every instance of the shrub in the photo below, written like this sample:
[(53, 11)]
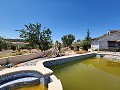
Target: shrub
[(85, 45)]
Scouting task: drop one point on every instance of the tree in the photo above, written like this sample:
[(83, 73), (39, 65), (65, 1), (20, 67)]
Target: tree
[(35, 36), (31, 34), (88, 38), (45, 41), (78, 40), (3, 44), (85, 44), (68, 39)]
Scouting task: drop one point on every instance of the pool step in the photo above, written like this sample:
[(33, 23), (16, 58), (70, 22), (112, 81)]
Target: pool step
[(27, 81)]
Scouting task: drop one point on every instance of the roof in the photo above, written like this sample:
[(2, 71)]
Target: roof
[(111, 33)]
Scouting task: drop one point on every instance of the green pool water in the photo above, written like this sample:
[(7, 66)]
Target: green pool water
[(89, 74), (37, 87)]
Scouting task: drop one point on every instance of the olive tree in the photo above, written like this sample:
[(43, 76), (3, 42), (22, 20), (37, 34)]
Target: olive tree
[(67, 40), (36, 37)]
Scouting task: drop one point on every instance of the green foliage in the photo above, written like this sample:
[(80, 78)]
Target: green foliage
[(13, 47), (78, 40), (31, 34), (36, 37), (4, 44), (88, 38), (85, 45), (67, 40), (1, 42), (45, 40)]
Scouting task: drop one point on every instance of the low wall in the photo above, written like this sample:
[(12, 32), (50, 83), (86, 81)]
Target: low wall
[(66, 59), (20, 58)]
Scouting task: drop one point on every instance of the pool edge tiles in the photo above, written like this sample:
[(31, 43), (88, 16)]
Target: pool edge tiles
[(66, 59)]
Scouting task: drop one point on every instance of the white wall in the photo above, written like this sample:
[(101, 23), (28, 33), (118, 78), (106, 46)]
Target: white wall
[(95, 47)]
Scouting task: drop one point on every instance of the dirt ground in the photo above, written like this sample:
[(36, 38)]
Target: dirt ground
[(5, 52)]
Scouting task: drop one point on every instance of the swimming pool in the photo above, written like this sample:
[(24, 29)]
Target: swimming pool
[(89, 74), (36, 87)]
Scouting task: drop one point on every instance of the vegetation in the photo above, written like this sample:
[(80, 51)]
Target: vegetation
[(45, 41), (88, 38), (76, 45), (85, 44), (4, 44), (13, 47), (67, 40), (78, 40), (36, 37), (41, 39)]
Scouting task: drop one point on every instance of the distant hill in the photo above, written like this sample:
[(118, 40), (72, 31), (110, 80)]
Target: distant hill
[(15, 40)]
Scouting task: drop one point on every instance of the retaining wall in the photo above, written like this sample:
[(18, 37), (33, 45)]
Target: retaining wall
[(20, 58)]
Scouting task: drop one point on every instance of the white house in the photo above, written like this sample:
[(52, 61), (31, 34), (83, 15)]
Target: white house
[(109, 41)]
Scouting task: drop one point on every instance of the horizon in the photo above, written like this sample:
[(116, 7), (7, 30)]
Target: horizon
[(62, 17)]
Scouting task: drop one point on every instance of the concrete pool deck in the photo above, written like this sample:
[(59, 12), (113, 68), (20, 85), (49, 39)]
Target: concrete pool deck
[(115, 56), (41, 65)]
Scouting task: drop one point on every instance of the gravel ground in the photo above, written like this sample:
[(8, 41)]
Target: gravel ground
[(31, 62)]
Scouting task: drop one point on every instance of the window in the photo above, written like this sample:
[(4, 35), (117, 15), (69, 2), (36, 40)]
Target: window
[(111, 43)]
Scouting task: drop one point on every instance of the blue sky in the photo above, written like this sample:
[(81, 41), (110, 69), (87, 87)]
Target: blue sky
[(61, 16)]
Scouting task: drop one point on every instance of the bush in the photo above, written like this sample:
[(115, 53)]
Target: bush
[(85, 45), (13, 47)]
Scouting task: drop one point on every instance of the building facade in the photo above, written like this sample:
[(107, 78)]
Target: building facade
[(109, 41)]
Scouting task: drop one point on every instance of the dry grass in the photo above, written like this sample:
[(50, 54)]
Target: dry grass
[(15, 53), (80, 52)]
